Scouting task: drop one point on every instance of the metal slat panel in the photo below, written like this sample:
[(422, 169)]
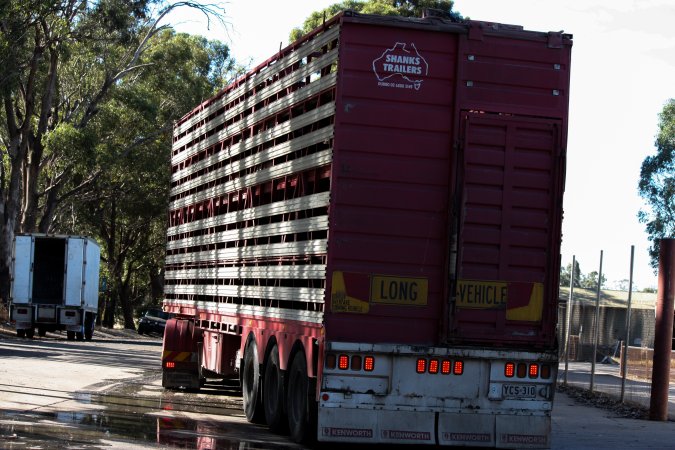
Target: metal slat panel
[(300, 294), (260, 95), (260, 231), (269, 71), (247, 310), (251, 161), (314, 247), (303, 272), (284, 103), (282, 207), (243, 146), (298, 165)]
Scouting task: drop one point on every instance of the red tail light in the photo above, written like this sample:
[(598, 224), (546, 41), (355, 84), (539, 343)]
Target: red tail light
[(368, 363), (331, 361), (545, 371), (522, 370), (433, 366), (421, 365), (343, 362), (509, 370), (534, 370), (170, 365), (446, 367), (458, 369)]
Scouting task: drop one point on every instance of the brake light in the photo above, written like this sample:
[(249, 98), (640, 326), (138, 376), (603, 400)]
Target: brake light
[(421, 365), (343, 362), (433, 366), (368, 363), (170, 365), (458, 368), (446, 366), (534, 370), (509, 370)]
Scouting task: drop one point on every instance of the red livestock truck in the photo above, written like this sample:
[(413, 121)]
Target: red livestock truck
[(366, 230)]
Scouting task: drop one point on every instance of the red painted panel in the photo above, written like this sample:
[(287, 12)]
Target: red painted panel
[(393, 157)]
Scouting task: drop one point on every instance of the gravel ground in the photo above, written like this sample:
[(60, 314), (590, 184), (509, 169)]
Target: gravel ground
[(601, 400)]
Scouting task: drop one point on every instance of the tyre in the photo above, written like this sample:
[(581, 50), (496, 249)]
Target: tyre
[(70, 335), (21, 333), (80, 336), (89, 321), (140, 329), (42, 332), (273, 393), (30, 333), (251, 384), (301, 423)]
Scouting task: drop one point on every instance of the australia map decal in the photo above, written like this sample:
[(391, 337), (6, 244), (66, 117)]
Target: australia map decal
[(401, 67)]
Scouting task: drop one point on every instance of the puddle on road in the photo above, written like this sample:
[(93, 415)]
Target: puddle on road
[(139, 422)]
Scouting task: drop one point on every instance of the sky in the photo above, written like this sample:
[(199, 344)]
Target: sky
[(623, 72)]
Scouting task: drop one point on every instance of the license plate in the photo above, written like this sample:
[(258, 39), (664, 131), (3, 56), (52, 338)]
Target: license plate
[(516, 391)]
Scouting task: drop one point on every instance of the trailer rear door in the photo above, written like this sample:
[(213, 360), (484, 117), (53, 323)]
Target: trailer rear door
[(511, 183), (22, 276), (74, 271)]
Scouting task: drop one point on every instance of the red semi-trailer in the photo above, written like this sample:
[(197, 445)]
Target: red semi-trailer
[(366, 230)]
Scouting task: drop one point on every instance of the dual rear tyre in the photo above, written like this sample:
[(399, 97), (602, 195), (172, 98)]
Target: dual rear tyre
[(283, 406)]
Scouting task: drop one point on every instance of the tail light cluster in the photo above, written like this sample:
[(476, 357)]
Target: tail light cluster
[(442, 366), (527, 370), (353, 362)]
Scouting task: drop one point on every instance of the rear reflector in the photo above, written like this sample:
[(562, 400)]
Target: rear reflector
[(545, 371)]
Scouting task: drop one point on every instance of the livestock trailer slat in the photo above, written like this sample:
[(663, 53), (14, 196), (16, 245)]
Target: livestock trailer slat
[(271, 71)]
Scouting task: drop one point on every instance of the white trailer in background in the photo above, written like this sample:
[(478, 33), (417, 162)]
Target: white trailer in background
[(54, 285)]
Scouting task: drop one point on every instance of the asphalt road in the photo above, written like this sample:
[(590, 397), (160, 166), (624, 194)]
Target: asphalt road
[(107, 393)]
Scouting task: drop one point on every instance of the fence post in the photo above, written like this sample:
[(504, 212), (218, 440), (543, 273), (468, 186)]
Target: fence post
[(624, 356), (658, 407), (568, 318), (597, 325)]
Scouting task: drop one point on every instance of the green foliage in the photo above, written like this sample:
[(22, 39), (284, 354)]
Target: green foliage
[(91, 90), (565, 273), (405, 8), (657, 184)]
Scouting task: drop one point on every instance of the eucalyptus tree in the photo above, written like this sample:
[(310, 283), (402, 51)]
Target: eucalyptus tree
[(81, 85), (657, 183), (406, 8)]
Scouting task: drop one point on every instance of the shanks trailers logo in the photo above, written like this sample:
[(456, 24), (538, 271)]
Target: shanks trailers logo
[(401, 67)]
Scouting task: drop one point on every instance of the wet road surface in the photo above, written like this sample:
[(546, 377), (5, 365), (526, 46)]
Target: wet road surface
[(107, 394)]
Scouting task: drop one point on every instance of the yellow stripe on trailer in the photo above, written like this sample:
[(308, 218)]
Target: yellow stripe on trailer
[(169, 355)]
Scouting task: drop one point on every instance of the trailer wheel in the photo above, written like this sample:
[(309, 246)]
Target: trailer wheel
[(273, 393), (300, 421), (30, 333), (251, 384), (70, 335), (42, 332), (89, 321), (21, 333)]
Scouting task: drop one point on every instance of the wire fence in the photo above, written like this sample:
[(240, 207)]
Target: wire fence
[(592, 355)]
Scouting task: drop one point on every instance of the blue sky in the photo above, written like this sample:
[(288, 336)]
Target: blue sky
[(623, 72)]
